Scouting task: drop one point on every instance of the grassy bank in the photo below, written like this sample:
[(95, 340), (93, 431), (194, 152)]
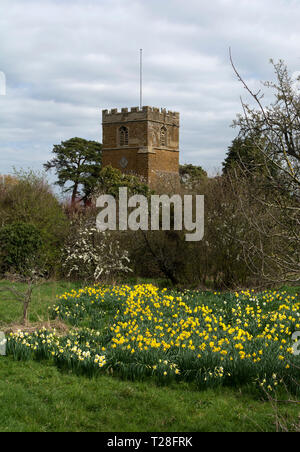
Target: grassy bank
[(37, 397)]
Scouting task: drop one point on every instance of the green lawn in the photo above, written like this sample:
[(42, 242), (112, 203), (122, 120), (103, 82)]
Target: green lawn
[(36, 396)]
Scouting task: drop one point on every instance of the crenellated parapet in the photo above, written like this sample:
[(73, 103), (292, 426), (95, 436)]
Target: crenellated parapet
[(140, 114)]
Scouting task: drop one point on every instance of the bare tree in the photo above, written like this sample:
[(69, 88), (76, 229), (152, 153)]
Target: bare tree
[(272, 203), (23, 296)]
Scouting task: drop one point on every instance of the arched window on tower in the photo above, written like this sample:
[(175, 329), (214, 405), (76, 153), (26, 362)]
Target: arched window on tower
[(163, 136), (123, 135)]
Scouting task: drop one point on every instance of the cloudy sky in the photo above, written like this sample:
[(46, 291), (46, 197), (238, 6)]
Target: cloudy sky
[(66, 60)]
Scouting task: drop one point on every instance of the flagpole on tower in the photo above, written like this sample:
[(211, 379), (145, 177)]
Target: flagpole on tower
[(141, 78)]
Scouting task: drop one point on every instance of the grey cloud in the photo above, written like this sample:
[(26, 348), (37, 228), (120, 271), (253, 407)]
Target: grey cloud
[(65, 61)]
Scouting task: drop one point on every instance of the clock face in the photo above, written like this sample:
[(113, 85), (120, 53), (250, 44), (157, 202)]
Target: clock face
[(123, 162)]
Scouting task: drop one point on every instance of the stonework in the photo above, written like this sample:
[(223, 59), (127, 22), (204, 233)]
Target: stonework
[(2, 344), (144, 142)]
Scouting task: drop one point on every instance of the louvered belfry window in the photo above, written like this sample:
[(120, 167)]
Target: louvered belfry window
[(163, 136), (123, 131)]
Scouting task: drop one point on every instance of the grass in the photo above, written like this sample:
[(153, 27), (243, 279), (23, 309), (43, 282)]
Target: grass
[(43, 297), (38, 397)]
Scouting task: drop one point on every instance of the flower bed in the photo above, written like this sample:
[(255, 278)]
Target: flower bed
[(141, 331)]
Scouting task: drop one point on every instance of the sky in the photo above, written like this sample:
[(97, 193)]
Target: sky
[(66, 60)]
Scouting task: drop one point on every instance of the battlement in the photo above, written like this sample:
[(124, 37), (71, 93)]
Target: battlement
[(140, 114)]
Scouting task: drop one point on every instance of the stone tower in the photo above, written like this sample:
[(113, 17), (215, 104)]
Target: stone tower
[(144, 142)]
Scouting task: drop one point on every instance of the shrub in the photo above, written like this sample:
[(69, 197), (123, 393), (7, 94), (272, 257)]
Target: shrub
[(30, 200), (92, 256), (20, 247)]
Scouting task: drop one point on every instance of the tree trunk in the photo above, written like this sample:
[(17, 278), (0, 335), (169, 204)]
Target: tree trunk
[(74, 194)]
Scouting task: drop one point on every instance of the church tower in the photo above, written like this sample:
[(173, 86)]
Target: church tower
[(143, 142)]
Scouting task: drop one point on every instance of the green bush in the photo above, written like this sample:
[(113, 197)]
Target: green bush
[(20, 247), (30, 200)]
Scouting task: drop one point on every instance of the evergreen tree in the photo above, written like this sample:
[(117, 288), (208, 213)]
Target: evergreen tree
[(77, 161)]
